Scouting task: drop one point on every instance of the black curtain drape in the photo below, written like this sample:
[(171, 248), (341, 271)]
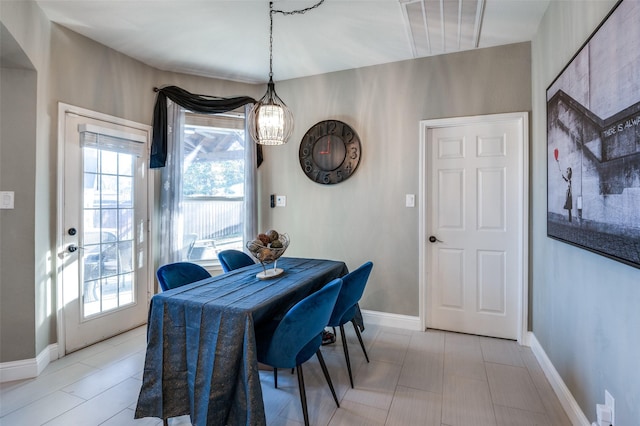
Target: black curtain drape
[(196, 103)]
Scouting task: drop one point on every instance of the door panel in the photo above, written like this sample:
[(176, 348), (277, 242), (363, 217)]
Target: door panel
[(104, 268), (473, 207)]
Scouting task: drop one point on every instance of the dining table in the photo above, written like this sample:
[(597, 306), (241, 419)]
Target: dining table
[(201, 355)]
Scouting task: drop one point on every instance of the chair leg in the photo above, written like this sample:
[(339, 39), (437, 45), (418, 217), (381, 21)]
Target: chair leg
[(275, 377), (303, 395), (360, 339), (326, 376), (346, 353), (165, 422)]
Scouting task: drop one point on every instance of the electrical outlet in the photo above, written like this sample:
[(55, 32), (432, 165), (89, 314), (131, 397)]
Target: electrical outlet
[(6, 199), (281, 200), (611, 403)]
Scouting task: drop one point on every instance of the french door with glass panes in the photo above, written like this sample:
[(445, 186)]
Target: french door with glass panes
[(104, 234)]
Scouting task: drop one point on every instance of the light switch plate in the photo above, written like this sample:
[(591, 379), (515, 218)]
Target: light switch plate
[(6, 199), (281, 200), (410, 200)]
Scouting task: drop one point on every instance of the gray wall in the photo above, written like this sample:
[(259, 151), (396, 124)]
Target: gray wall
[(584, 306), (17, 152), (365, 218), (26, 299)]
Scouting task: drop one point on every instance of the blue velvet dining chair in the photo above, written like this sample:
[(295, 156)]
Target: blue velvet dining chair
[(346, 306), (234, 259), (293, 340), (177, 274), (173, 275)]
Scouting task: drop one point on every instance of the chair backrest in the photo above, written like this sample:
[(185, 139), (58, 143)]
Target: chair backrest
[(234, 259), (177, 274), (352, 288), (299, 334)]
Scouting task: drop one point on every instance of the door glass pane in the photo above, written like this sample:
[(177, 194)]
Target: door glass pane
[(108, 234)]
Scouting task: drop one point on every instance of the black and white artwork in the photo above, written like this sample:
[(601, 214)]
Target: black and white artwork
[(593, 141)]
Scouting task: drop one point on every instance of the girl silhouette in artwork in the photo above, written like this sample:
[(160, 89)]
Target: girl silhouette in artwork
[(568, 202)]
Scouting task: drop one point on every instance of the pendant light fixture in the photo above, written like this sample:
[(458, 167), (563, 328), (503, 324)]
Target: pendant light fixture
[(270, 120)]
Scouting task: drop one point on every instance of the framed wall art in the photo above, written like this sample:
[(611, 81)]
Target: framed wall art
[(593, 141)]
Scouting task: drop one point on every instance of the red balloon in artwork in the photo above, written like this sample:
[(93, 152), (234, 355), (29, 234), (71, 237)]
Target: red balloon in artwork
[(555, 153)]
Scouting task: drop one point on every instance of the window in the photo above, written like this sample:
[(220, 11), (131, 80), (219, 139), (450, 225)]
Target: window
[(110, 166), (213, 184)]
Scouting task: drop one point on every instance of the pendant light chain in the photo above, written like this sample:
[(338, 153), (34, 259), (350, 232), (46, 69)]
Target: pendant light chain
[(292, 12), (298, 12), (270, 121), (271, 11)]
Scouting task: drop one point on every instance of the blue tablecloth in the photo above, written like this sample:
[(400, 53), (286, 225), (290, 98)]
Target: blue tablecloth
[(201, 351)]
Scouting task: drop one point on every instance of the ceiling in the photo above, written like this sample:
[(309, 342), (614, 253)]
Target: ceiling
[(229, 39)]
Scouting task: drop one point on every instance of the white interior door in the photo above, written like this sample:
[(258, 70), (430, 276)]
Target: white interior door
[(475, 226), (103, 233)]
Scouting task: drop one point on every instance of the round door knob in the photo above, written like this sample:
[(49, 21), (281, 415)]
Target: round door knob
[(72, 248), (432, 239), (72, 231)]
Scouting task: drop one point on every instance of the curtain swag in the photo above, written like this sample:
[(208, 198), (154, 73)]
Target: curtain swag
[(196, 103)]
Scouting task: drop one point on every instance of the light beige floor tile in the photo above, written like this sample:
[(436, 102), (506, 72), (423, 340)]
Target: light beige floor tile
[(42, 410), (276, 399), (396, 330), (415, 407), (467, 402), (320, 406), (102, 380), (101, 408), (422, 370), (320, 403), (389, 347), (501, 351), (42, 386), (75, 357), (507, 416), (463, 356), (110, 375), (138, 334), (13, 385), (552, 406), (179, 421), (282, 421), (354, 414), (430, 341), (512, 387), (375, 385), (116, 353), (125, 418), (337, 367)]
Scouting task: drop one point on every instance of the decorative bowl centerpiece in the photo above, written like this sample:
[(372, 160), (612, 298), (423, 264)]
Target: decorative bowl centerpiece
[(267, 248)]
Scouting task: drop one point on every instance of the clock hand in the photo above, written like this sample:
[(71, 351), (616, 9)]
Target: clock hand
[(328, 149)]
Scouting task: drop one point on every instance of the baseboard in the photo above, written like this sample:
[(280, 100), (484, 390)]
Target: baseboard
[(406, 322), (569, 404), (28, 368)]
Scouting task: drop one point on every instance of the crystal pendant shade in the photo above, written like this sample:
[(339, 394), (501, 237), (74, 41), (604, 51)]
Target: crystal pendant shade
[(270, 121)]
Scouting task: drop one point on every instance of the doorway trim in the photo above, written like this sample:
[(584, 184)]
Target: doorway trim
[(64, 109), (522, 118)]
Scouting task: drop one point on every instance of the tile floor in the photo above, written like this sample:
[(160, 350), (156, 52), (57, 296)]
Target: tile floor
[(414, 378)]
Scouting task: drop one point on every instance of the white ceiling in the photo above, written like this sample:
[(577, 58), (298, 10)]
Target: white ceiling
[(229, 39)]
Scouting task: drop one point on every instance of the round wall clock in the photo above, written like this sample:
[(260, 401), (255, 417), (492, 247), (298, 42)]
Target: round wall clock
[(330, 152)]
